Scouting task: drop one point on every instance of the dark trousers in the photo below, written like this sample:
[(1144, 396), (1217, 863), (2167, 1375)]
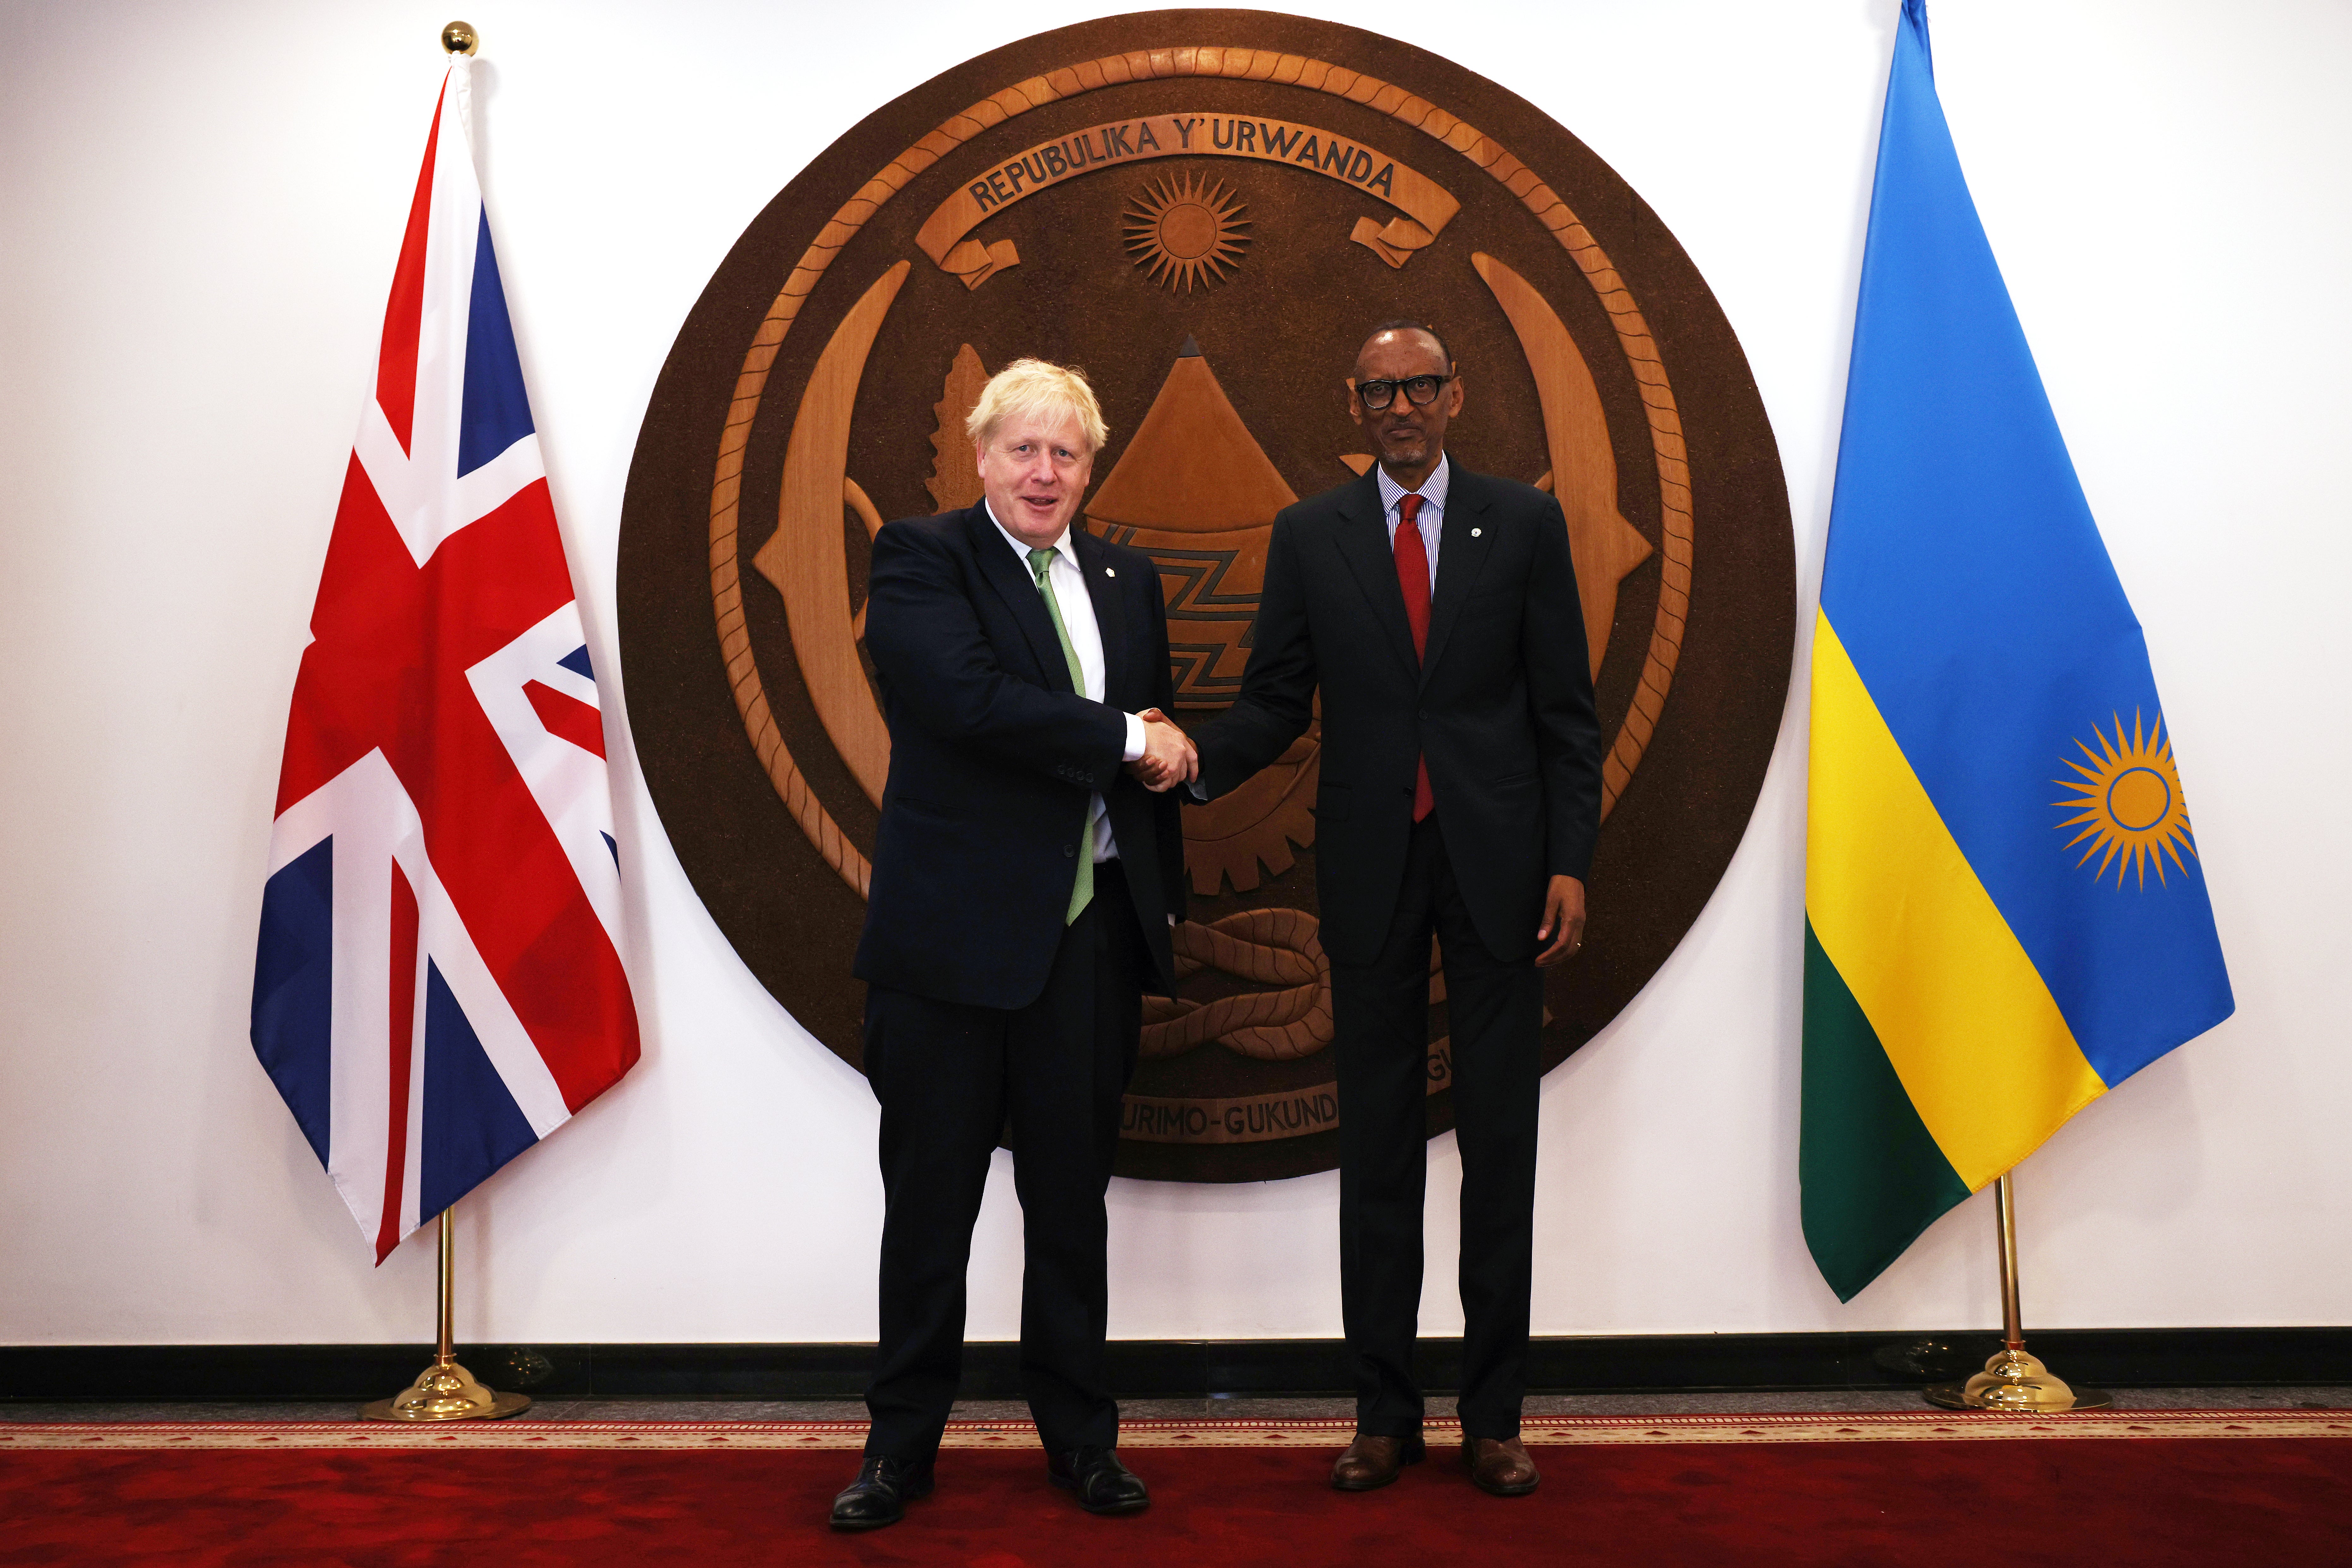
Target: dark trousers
[(1380, 1012), (951, 1079)]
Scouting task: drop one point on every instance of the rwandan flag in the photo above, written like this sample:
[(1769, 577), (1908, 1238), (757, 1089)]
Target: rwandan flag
[(2005, 914)]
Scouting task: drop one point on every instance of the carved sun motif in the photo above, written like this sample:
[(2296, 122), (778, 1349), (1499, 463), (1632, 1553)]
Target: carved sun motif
[(1183, 231)]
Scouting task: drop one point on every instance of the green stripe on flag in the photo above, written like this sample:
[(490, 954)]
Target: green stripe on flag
[(1872, 1178)]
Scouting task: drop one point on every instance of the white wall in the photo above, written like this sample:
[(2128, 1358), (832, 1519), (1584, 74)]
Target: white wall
[(203, 203)]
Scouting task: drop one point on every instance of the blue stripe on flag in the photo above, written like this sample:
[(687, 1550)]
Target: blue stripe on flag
[(293, 988), (472, 1125), (497, 412), (1968, 583), (576, 662)]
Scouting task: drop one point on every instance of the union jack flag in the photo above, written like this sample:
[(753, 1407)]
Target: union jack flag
[(439, 982)]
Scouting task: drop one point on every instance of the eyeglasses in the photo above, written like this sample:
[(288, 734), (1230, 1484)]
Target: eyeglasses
[(1420, 389)]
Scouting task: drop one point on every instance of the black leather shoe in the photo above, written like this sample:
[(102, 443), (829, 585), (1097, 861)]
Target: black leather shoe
[(1102, 1483), (881, 1493), (1372, 1462)]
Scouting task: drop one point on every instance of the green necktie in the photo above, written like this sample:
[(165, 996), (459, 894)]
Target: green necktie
[(1041, 562)]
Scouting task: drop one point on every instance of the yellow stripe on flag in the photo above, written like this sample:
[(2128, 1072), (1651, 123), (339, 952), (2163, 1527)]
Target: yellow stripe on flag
[(1963, 1015)]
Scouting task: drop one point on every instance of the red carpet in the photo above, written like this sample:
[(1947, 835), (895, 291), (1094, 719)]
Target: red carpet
[(1874, 1489)]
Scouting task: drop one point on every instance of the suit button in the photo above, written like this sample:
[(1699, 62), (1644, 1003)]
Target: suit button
[(1069, 851)]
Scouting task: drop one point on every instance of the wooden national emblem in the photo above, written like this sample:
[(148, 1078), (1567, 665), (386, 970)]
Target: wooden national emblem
[(1206, 210)]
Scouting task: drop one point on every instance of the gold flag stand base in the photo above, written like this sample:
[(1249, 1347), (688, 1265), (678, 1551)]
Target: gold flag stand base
[(2013, 1381), (446, 1391)]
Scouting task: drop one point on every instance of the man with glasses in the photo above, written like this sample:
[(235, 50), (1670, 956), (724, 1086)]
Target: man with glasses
[(1436, 610)]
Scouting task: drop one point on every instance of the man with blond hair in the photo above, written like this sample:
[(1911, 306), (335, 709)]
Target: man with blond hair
[(1027, 871)]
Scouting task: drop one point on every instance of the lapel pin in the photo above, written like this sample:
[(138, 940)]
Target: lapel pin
[(1474, 533), (1111, 571)]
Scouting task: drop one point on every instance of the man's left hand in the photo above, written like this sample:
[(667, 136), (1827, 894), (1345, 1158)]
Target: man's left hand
[(1563, 921)]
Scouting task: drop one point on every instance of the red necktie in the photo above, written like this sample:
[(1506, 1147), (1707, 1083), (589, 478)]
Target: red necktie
[(1413, 577)]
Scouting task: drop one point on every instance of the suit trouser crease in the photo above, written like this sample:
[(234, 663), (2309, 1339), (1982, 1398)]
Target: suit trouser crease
[(1381, 1010), (951, 1079)]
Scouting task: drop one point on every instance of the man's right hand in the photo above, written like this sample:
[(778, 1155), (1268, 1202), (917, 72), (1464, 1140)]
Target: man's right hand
[(1168, 757)]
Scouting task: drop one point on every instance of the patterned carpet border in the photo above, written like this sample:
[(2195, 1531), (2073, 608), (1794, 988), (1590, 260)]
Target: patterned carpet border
[(817, 1436)]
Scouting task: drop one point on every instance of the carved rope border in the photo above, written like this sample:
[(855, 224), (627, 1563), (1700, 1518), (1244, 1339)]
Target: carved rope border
[(1633, 336)]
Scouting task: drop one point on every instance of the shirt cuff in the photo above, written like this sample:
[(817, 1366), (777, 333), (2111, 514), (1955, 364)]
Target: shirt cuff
[(1134, 740)]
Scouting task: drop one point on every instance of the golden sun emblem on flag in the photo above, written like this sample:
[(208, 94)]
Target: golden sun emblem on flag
[(2127, 802), (1185, 231)]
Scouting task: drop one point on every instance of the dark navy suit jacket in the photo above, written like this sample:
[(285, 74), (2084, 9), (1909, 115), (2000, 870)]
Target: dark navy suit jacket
[(1501, 705), (994, 755)]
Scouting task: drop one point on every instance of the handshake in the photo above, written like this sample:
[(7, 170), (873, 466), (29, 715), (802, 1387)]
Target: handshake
[(1168, 757)]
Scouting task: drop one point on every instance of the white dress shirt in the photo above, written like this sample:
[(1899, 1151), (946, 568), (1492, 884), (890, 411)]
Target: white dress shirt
[(1077, 607), (1431, 520)]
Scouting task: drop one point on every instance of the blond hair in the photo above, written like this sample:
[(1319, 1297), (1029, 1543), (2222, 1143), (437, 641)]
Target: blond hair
[(1033, 386)]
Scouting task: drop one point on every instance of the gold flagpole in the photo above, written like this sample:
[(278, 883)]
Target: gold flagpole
[(446, 1391), (2013, 1380)]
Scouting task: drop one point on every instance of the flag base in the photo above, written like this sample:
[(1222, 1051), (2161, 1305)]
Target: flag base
[(2013, 1380), (446, 1392)]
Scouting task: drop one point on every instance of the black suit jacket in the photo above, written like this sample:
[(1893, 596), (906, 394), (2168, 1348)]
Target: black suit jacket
[(1501, 705), (993, 756)]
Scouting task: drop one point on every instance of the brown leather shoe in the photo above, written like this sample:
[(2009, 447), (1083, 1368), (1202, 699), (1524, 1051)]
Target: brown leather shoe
[(1372, 1462), (1500, 1466)]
